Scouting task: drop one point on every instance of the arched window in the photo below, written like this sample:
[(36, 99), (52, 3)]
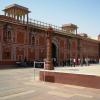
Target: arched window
[(6, 55), (7, 33)]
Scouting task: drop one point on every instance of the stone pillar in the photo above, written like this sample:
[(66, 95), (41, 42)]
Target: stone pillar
[(23, 18), (49, 65), (14, 13), (27, 29), (27, 18), (5, 13), (76, 31), (17, 17), (8, 14)]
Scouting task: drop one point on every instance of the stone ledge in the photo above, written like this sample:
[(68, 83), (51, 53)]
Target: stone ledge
[(70, 78)]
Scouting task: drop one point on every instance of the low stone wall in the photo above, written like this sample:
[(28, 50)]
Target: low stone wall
[(7, 64), (70, 78)]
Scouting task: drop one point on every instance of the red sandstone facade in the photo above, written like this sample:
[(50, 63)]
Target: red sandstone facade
[(22, 38)]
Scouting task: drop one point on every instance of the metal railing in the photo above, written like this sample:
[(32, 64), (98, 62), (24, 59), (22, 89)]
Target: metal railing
[(46, 25)]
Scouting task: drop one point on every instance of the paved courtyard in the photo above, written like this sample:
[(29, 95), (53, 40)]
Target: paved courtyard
[(23, 84), (93, 69)]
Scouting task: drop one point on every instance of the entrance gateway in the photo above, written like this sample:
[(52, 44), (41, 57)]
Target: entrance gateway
[(54, 51)]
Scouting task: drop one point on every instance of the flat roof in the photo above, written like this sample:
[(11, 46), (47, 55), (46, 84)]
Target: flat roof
[(69, 25), (16, 6)]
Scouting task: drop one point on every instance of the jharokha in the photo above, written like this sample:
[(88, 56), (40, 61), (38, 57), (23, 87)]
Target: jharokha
[(23, 38)]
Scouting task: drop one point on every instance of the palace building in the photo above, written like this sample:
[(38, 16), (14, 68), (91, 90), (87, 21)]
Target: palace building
[(23, 38)]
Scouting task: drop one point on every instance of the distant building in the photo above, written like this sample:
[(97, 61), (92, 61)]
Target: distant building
[(99, 37), (23, 38)]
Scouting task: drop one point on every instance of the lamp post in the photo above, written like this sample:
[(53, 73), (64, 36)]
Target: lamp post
[(49, 65)]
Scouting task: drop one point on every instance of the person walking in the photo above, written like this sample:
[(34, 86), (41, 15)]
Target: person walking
[(74, 61), (81, 61)]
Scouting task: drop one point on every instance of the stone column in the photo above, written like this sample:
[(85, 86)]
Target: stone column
[(23, 18), (76, 31), (27, 18), (27, 29), (49, 65), (17, 17), (8, 14), (5, 13), (14, 13)]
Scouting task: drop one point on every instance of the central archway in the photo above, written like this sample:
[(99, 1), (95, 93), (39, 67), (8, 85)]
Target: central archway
[(54, 51)]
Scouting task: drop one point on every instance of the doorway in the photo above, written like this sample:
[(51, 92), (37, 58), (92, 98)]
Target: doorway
[(54, 51)]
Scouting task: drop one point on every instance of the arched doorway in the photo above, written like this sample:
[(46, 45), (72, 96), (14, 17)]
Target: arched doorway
[(54, 51)]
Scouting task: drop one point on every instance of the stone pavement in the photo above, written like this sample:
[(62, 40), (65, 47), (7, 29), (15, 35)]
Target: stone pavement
[(19, 84), (93, 69)]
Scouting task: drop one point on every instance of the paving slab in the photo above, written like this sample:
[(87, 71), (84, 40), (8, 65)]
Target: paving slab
[(20, 84)]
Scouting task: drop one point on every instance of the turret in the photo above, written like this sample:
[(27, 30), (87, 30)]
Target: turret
[(70, 28), (17, 12), (99, 37)]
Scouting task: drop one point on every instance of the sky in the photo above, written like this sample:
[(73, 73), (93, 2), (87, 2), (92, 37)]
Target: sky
[(84, 13)]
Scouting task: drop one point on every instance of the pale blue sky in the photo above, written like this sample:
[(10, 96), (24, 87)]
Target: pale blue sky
[(84, 13)]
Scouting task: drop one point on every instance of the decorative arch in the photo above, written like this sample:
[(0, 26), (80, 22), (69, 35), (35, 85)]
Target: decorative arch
[(7, 32), (6, 53)]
